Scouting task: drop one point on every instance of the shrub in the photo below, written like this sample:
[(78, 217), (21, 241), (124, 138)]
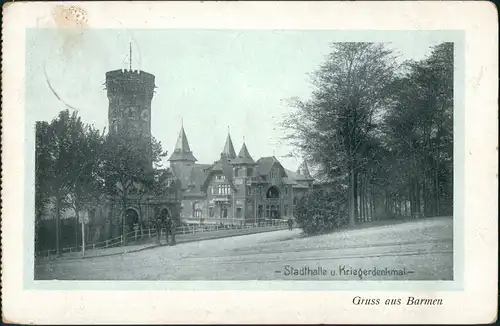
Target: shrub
[(322, 211)]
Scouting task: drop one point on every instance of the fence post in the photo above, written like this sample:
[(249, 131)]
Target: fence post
[(93, 246), (107, 241), (149, 233), (121, 239)]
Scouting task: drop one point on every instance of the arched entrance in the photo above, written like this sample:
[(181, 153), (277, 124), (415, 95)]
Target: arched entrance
[(273, 193), (272, 207), (131, 218)]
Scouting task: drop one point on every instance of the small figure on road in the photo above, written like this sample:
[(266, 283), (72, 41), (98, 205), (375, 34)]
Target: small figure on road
[(158, 226), (290, 224), (170, 229)]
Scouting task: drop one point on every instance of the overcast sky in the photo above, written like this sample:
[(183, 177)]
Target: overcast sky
[(210, 79)]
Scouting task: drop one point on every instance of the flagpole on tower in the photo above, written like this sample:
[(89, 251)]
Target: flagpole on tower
[(130, 56)]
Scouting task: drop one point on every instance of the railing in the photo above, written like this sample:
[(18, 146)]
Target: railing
[(141, 234)]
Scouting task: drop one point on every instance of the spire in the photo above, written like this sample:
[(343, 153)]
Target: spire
[(182, 152), (130, 55), (228, 150), (244, 157)]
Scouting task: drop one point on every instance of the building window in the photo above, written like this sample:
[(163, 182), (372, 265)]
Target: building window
[(224, 189), (211, 190), (211, 211), (286, 190), (197, 212), (249, 172), (219, 177), (224, 212), (260, 211), (249, 190), (236, 172), (274, 173), (238, 212)]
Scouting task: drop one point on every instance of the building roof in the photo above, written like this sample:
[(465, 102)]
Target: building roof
[(243, 157), (303, 173), (228, 150), (266, 163), (182, 152), (198, 175)]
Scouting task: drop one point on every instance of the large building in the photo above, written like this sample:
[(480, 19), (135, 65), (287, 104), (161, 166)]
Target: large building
[(235, 189)]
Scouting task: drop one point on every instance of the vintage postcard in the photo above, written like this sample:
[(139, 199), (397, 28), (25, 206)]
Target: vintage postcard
[(249, 162)]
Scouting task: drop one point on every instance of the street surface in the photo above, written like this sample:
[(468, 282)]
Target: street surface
[(414, 250)]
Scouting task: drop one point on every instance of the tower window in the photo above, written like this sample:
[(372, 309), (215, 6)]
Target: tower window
[(286, 190)]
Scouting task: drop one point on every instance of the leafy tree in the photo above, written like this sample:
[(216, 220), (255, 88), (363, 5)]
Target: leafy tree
[(44, 174), (127, 170), (66, 156), (419, 127), (332, 127), (322, 211), (383, 131)]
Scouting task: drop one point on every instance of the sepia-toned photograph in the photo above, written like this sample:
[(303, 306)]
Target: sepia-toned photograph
[(241, 155)]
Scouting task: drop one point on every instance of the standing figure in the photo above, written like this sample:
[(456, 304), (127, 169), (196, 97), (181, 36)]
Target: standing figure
[(290, 224), (170, 229)]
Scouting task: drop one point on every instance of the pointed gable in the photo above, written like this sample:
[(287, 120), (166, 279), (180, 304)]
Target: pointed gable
[(243, 157), (182, 152), (303, 172), (228, 150)]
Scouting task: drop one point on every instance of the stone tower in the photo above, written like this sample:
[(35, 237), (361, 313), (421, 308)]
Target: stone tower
[(182, 159), (130, 93), (243, 172)]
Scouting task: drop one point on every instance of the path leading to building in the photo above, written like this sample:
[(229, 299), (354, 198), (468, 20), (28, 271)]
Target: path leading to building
[(422, 249), (150, 242)]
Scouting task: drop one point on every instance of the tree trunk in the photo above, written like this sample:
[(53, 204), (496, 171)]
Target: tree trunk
[(355, 183), (372, 206), (58, 222), (436, 177), (360, 192), (352, 215), (365, 204), (417, 198), (124, 216)]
